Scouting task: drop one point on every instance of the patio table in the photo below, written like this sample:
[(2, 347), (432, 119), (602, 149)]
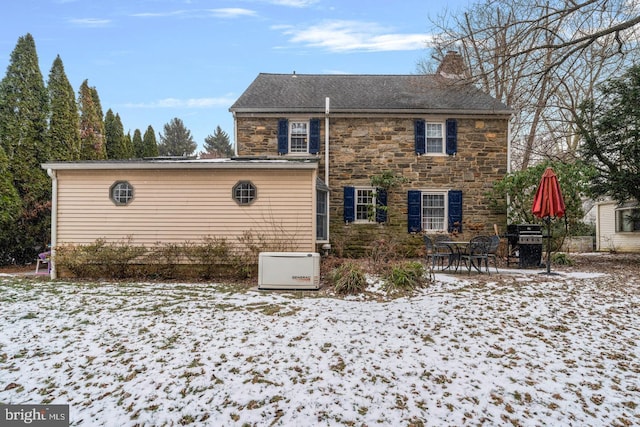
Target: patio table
[(457, 248)]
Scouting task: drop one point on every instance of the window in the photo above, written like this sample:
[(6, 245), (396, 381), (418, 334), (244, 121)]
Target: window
[(299, 137), (244, 193), (322, 217), (434, 210), (121, 193), (435, 137), (365, 204), (628, 219)]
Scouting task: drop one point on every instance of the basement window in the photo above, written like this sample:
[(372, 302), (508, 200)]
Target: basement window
[(121, 193), (244, 193)]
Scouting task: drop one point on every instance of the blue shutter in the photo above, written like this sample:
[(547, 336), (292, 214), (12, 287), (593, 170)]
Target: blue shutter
[(414, 211), (349, 204), (314, 136), (419, 129), (452, 136), (455, 210), (381, 205), (283, 136)]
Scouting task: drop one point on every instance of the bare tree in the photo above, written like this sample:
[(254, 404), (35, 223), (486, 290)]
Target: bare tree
[(542, 59)]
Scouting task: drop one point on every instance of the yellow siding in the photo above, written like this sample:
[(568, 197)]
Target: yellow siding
[(186, 205)]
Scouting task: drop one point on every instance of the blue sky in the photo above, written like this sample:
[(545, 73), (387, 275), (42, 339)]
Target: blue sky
[(153, 60)]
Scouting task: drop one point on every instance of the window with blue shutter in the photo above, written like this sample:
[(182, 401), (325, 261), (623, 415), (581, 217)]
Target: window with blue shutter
[(452, 137), (414, 211), (381, 205), (314, 136), (283, 136), (455, 210), (419, 130), (349, 199)]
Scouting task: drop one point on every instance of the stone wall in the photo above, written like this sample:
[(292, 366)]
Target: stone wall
[(363, 147)]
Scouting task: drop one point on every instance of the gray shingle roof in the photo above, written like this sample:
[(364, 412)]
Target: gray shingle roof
[(287, 93)]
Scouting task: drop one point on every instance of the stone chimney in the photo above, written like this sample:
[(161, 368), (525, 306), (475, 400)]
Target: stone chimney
[(452, 66)]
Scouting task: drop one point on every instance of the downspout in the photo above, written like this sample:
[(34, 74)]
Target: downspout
[(54, 220), (326, 164), (326, 141), (235, 134)]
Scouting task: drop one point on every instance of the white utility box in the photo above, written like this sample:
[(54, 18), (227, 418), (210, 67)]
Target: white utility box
[(289, 270)]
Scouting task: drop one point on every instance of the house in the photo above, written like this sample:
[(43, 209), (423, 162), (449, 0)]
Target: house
[(173, 201), (439, 140), (617, 226)]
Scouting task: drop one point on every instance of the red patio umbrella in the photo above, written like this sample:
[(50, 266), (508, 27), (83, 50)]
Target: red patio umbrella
[(548, 203)]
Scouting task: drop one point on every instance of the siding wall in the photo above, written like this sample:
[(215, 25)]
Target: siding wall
[(606, 237), (186, 205)]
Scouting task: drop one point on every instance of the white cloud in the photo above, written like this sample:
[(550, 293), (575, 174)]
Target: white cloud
[(90, 22), (231, 12), (293, 3), (184, 103), (348, 36), (159, 14)]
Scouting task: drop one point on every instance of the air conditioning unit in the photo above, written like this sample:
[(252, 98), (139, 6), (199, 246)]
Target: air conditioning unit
[(289, 270)]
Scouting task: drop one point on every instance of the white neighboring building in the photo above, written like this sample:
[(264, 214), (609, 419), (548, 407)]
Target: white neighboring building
[(617, 227)]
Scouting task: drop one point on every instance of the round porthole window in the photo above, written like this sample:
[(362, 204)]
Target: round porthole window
[(121, 193), (244, 192)]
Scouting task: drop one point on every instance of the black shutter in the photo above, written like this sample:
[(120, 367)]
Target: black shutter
[(414, 211), (314, 136), (455, 211), (419, 129), (349, 199), (381, 205), (283, 136), (452, 136)]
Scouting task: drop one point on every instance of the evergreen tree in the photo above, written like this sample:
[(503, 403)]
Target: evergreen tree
[(138, 148), (10, 210), (114, 137), (218, 144), (128, 143), (23, 128), (63, 134), (149, 143), (611, 137), (176, 140), (92, 132)]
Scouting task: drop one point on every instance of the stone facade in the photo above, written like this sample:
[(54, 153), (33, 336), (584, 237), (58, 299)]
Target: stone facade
[(362, 147)]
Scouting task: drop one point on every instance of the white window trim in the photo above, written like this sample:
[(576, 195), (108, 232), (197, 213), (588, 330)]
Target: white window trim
[(443, 126), (290, 135), (371, 218), (438, 192)]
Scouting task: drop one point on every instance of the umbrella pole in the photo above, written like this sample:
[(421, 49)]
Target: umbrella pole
[(548, 245)]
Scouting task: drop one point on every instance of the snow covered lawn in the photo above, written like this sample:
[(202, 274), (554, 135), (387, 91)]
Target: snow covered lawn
[(510, 349)]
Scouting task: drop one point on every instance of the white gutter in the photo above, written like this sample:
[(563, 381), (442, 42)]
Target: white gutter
[(54, 220)]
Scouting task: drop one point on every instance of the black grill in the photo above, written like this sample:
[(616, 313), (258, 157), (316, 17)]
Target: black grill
[(525, 245)]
